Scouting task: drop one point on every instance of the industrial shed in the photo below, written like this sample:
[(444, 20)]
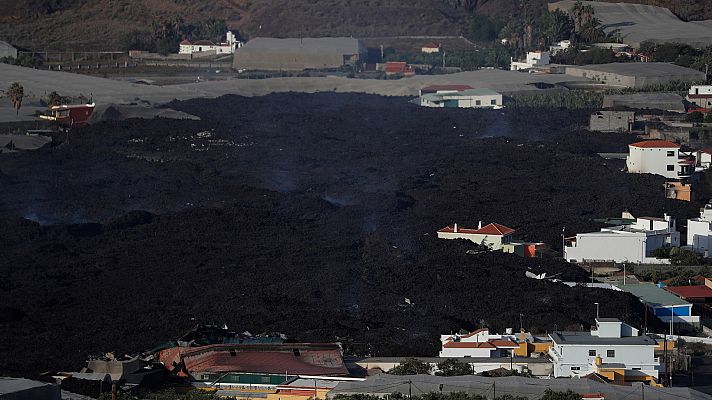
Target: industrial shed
[(641, 101), (636, 75), (6, 50), (271, 54)]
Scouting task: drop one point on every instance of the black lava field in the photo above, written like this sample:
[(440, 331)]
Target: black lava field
[(313, 215)]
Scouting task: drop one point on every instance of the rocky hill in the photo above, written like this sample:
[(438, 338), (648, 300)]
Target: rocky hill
[(101, 24)]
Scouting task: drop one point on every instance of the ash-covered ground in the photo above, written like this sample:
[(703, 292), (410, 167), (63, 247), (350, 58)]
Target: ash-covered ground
[(313, 215)]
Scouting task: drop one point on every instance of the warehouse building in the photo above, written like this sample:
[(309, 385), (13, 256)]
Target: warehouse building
[(636, 75), (612, 121), (271, 54)]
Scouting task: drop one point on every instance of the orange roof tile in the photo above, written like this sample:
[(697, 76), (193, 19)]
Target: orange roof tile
[(469, 345), (652, 144), (490, 229)]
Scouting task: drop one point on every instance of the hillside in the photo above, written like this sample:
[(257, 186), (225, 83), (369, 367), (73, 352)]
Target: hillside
[(101, 24)]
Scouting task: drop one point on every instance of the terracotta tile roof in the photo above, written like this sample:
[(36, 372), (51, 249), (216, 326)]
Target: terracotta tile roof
[(469, 345), (185, 42), (299, 359), (707, 150), (204, 43), (652, 144), (473, 333), (431, 45), (503, 343), (490, 229), (686, 292), (396, 66)]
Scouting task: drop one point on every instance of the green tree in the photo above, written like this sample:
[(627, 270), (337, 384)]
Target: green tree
[(16, 92), (411, 366), (557, 26), (483, 28), (453, 367), (567, 395)]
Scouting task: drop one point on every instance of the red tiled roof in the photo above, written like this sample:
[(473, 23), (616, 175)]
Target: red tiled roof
[(652, 144), (185, 42), (475, 332), (686, 292), (490, 229), (396, 66), (204, 43), (707, 150), (312, 359), (469, 345), (431, 45), (503, 343)]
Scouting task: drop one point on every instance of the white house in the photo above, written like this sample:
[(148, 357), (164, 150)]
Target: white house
[(468, 98), (659, 157), (534, 59), (704, 157), (477, 344), (431, 47), (633, 243), (557, 47), (612, 346), (699, 231), (228, 47), (700, 97), (493, 235)]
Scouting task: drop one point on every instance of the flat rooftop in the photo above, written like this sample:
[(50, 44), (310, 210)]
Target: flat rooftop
[(650, 69), (653, 295), (587, 338)]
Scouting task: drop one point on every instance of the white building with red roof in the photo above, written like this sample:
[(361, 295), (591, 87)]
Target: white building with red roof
[(201, 46), (493, 235), (431, 47), (478, 344), (660, 157)]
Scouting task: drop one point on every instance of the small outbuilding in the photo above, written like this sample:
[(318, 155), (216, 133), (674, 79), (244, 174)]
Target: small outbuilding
[(7, 50), (493, 235), (431, 47)]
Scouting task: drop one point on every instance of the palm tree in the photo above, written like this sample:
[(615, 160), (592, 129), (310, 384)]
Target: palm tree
[(16, 92), (577, 12)]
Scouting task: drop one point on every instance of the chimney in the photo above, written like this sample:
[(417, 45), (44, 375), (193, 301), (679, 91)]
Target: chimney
[(454, 229), (479, 226)]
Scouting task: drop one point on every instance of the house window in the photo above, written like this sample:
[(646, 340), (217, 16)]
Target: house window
[(610, 353), (671, 153), (670, 167), (493, 102), (592, 353), (576, 368), (265, 379), (478, 102)]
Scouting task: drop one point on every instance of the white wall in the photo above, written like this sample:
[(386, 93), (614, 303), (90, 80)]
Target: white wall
[(632, 356), (653, 161), (484, 101), (471, 352), (492, 241), (608, 246), (700, 89)]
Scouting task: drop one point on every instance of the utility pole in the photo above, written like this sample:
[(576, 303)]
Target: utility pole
[(596, 310), (642, 391), (410, 389), (316, 393), (521, 325), (494, 390), (624, 273)]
